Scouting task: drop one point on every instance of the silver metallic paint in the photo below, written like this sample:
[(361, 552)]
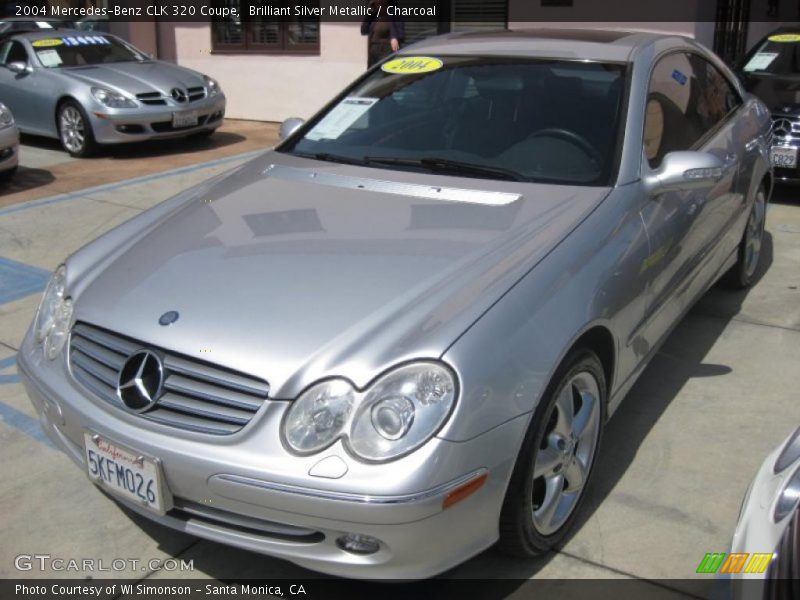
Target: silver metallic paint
[(294, 281)]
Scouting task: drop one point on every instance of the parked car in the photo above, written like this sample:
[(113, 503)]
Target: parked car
[(9, 144), (395, 339), (89, 90), (770, 71), (14, 24), (769, 527)]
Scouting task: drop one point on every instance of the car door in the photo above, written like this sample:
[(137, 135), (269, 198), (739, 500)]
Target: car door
[(30, 95), (682, 225)]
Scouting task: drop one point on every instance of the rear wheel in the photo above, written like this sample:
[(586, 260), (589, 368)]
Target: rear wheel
[(75, 130), (556, 460), (743, 273)]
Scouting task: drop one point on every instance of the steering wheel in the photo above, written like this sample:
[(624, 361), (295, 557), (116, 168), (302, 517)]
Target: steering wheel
[(572, 137)]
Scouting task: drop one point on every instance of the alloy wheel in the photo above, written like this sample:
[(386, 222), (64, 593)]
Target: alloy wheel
[(567, 450), (73, 129), (754, 234)]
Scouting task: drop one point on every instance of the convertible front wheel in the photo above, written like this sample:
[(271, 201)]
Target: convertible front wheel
[(75, 130), (556, 460)]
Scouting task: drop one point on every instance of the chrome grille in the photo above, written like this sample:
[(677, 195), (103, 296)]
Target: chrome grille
[(197, 396), (196, 93), (151, 98), (785, 128)]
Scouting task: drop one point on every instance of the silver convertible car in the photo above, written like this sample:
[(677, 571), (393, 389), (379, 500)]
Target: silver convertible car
[(395, 339), (90, 89)]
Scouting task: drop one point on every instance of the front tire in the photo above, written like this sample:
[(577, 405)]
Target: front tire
[(743, 274), (75, 130), (557, 458)]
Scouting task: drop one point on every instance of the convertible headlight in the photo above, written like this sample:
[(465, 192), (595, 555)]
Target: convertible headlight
[(394, 416), (6, 119), (211, 85), (112, 99), (54, 315), (790, 452)]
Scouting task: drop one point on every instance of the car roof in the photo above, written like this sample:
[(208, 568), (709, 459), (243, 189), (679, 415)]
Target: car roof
[(592, 44), (40, 34)]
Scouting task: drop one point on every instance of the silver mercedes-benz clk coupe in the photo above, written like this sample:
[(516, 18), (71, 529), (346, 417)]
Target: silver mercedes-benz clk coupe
[(90, 89), (395, 339)]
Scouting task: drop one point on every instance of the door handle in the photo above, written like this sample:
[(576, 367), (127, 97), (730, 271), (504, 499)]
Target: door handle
[(751, 145)]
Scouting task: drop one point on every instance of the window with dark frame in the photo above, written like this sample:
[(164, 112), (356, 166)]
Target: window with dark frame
[(263, 34)]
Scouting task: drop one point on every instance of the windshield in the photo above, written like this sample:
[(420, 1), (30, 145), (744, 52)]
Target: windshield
[(778, 55), (79, 51), (505, 118)]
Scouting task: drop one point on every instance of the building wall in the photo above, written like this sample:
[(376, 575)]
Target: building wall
[(270, 87)]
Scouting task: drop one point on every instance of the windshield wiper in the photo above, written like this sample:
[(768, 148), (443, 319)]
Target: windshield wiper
[(445, 165), (328, 157)]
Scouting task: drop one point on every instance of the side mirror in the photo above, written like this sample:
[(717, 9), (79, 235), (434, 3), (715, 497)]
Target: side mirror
[(680, 171), (18, 67), (289, 126)]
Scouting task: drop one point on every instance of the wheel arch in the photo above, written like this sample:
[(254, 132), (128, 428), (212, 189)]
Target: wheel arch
[(600, 340), (61, 100)]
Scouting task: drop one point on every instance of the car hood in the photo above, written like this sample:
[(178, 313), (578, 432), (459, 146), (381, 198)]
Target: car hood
[(137, 77), (781, 95), (283, 272)]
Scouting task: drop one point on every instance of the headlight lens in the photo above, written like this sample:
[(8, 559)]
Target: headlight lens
[(394, 416), (55, 315), (790, 452), (6, 119), (317, 418), (212, 86), (789, 496), (112, 99)]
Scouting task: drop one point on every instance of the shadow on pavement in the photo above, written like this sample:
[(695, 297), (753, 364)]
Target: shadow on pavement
[(25, 179), (147, 149)]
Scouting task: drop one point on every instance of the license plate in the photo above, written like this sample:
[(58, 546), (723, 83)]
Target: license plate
[(184, 119), (783, 158), (124, 472)]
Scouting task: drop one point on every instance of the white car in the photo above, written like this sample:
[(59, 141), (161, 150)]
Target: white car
[(769, 527), (9, 143)]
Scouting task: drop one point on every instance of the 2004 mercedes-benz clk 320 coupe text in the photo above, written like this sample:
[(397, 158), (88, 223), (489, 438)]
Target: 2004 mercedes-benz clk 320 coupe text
[(396, 338)]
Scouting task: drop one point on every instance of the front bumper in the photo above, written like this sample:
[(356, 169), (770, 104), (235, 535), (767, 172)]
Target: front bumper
[(9, 148), (246, 491), (117, 126)]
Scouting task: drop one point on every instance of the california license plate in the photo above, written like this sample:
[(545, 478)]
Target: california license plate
[(124, 472), (783, 158), (184, 119)]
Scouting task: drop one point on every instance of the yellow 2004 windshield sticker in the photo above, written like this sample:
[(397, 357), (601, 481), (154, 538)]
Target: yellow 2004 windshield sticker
[(785, 37), (48, 43), (411, 65)]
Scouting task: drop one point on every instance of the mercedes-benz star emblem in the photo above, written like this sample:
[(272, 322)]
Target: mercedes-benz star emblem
[(140, 380), (168, 318), (782, 127), (179, 95)]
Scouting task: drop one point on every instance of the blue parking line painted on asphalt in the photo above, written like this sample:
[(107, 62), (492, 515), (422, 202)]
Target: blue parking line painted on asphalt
[(126, 182), (18, 280), (24, 424), (15, 418), (6, 363)]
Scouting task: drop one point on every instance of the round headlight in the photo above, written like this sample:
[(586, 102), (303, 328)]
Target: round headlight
[(394, 416), (317, 418), (54, 315), (401, 411), (789, 497), (53, 296)]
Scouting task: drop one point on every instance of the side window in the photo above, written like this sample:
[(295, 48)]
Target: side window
[(13, 52), (686, 98), (716, 97)]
